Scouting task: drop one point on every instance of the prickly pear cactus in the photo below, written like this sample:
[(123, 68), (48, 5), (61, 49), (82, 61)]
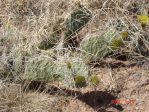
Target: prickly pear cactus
[(77, 20), (93, 49), (72, 71), (40, 69), (96, 47)]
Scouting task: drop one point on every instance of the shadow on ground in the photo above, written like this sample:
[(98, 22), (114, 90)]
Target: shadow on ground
[(98, 100)]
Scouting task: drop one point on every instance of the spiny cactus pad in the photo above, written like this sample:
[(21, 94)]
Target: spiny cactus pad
[(69, 68), (96, 47), (77, 20), (41, 69)]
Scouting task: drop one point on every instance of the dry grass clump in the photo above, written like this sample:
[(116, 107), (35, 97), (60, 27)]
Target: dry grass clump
[(12, 99)]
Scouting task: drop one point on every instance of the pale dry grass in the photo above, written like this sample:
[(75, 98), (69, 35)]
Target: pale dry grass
[(13, 99)]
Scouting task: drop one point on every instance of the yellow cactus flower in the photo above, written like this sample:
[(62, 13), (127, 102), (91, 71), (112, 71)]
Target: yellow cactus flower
[(143, 19), (124, 34), (94, 80), (79, 81), (118, 41)]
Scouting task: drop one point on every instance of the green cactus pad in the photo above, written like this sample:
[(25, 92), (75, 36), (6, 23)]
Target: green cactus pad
[(96, 47), (40, 69), (68, 68), (77, 20)]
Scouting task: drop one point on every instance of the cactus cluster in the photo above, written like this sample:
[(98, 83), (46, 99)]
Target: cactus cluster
[(96, 47), (70, 72), (74, 23)]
